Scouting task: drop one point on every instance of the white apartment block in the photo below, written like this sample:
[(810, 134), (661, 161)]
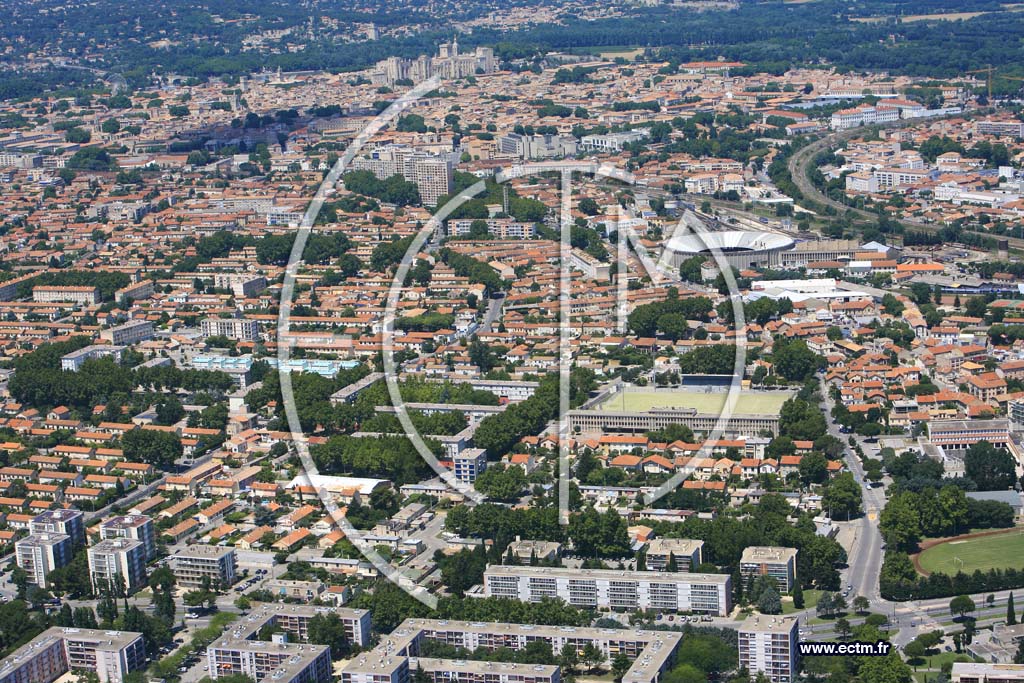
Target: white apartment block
[(241, 286), (393, 660), (432, 173), (194, 562), (503, 228), (281, 661), (240, 329), (58, 650), (687, 553), (778, 563), (612, 589), (469, 463), (73, 361), (129, 333), (768, 644), (613, 142), (537, 146), (68, 521), (117, 562), (893, 178), (40, 554), (592, 268), (59, 294), (136, 527), (976, 672), (1013, 129)]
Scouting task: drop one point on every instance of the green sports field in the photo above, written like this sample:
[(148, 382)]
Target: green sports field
[(986, 552), (747, 402)]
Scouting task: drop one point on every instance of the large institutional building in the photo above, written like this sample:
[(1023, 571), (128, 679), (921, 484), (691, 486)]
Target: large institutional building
[(613, 589), (448, 64)]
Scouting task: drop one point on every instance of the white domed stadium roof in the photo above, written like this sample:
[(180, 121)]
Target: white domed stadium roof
[(728, 241)]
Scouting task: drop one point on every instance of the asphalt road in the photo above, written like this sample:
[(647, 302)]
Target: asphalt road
[(800, 161)]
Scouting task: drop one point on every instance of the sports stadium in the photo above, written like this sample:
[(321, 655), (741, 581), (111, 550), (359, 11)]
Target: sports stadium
[(739, 248)]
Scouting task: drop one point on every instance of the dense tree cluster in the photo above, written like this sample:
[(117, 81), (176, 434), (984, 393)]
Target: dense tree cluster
[(497, 434), (106, 282), (668, 317), (394, 190), (477, 271), (726, 537), (387, 457)]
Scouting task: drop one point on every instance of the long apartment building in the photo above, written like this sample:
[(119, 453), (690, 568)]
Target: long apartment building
[(651, 652), (959, 435), (596, 421), (117, 562), (978, 672), (129, 333), (240, 651), (778, 563), (503, 228), (56, 651), (241, 329), (62, 294), (768, 645), (196, 562), (613, 589)]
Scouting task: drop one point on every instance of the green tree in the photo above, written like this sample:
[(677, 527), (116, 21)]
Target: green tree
[(620, 665), (1011, 612), (328, 629), (961, 605), (813, 468), (991, 468), (501, 484), (769, 602)]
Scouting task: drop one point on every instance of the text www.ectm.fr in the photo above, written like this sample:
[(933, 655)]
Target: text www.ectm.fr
[(854, 648)]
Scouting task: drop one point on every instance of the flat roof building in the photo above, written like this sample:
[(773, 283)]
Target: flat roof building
[(55, 651), (117, 561), (778, 563), (40, 554), (687, 553), (768, 644), (613, 589), (67, 521), (240, 652), (651, 652), (194, 562), (137, 527), (131, 332)]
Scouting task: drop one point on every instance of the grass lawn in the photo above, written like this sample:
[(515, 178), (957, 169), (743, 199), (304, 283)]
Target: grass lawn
[(747, 403), (988, 552), (810, 601)]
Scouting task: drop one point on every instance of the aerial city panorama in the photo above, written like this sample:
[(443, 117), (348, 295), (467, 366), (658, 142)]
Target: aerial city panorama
[(534, 341)]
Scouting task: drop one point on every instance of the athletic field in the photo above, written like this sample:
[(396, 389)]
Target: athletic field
[(998, 551), (747, 402)]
